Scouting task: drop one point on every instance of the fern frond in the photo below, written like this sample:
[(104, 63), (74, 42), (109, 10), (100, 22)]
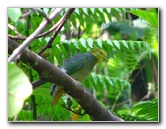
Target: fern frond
[(141, 111), (102, 83), (148, 109), (87, 16), (114, 48)]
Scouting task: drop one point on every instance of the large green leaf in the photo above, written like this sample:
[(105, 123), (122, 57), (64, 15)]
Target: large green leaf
[(150, 17), (14, 14), (19, 89)]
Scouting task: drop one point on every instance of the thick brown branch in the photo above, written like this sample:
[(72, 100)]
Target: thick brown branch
[(51, 73)]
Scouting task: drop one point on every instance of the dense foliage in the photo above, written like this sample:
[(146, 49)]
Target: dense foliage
[(127, 84)]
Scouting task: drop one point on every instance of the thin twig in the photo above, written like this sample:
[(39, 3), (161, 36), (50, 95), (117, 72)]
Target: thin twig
[(57, 27), (48, 45), (146, 96), (17, 37), (41, 27), (42, 13), (14, 29), (59, 23), (26, 14)]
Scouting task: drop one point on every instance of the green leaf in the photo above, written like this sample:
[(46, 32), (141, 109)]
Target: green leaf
[(74, 23), (14, 14), (77, 11), (65, 52), (57, 54), (109, 42), (90, 42), (99, 43), (125, 44), (57, 40), (116, 13), (46, 10), (101, 14), (19, 89), (101, 83), (100, 9), (117, 44), (114, 48), (42, 91), (123, 11), (75, 43), (66, 27), (148, 109), (92, 10), (108, 10), (85, 10), (108, 83), (132, 45), (95, 78), (150, 17), (83, 42)]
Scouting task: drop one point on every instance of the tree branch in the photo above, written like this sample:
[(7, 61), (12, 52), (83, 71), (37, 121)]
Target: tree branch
[(42, 13), (38, 83), (51, 73), (16, 37), (14, 29), (19, 50), (27, 13), (57, 27)]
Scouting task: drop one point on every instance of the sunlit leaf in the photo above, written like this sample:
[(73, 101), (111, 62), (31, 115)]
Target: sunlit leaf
[(14, 14), (150, 17), (19, 89)]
